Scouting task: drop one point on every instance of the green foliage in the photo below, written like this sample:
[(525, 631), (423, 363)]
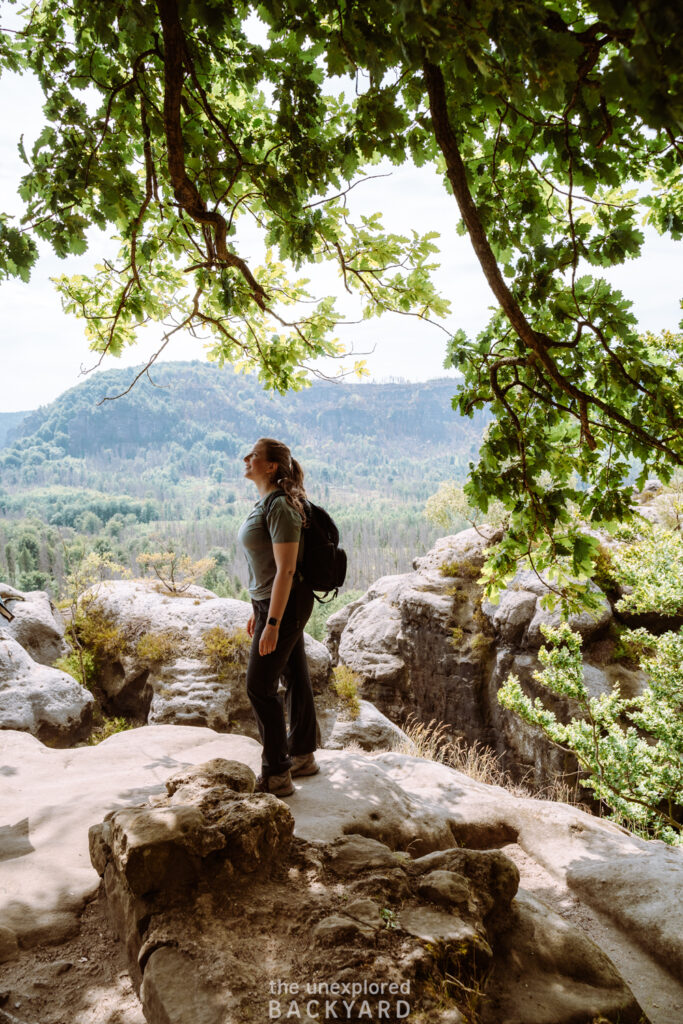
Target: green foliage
[(83, 669), (107, 727), (175, 571), (451, 509), (98, 632), (631, 748), (157, 647), (652, 566), (321, 612), (225, 652), (555, 127), (345, 684), (457, 636), (450, 569), (481, 644), (247, 134)]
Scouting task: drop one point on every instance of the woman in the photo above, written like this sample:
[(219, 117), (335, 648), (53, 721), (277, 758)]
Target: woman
[(270, 538)]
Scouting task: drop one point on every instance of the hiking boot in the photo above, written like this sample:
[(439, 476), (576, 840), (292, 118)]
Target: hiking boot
[(304, 764), (278, 785)]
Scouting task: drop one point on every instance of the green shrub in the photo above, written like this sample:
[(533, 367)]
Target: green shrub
[(653, 567), (604, 571), (108, 727), (225, 651), (632, 748), (345, 684), (480, 644), (71, 663), (156, 647), (457, 636), (450, 569), (98, 633)]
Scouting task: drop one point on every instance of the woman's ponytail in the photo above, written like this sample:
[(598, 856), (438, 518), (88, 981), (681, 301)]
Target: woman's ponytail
[(289, 475)]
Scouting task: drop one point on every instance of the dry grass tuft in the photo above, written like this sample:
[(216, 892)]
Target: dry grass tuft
[(433, 742)]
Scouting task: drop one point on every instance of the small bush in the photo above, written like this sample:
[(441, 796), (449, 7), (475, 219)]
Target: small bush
[(345, 685), (71, 664), (457, 636), (108, 727), (450, 569), (156, 647), (480, 644), (469, 569), (225, 651), (98, 633), (604, 573)]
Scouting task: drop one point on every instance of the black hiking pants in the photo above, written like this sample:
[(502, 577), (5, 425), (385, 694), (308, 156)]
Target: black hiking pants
[(263, 676)]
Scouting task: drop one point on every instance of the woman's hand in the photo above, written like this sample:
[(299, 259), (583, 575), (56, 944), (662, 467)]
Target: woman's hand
[(268, 640), (250, 625)]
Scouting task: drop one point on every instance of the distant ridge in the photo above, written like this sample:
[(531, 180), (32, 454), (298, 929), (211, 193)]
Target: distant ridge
[(9, 422), (197, 402)]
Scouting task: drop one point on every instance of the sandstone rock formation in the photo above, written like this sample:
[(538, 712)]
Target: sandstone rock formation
[(40, 700), (37, 625), (425, 642), (370, 730), (181, 686), (624, 892), (179, 874)]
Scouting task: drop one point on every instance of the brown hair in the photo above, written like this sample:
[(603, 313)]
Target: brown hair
[(289, 475)]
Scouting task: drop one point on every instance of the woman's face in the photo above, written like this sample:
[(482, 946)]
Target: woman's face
[(256, 466)]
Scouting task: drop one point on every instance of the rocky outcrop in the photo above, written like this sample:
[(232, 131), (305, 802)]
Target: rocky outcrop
[(426, 643), (165, 673), (369, 730), (43, 701), (623, 892), (179, 873), (37, 625)]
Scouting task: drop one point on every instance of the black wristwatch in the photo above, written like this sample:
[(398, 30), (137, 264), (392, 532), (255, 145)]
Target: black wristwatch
[(272, 621)]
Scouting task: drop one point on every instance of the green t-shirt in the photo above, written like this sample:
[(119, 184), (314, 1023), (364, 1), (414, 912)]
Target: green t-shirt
[(256, 538)]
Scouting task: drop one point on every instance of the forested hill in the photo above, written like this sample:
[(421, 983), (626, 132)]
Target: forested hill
[(163, 466), (9, 421), (198, 418)]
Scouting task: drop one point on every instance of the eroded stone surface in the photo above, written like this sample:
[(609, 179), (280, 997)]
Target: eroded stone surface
[(423, 811), (183, 688), (40, 700)]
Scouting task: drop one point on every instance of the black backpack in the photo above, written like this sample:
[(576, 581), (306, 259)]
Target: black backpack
[(323, 566)]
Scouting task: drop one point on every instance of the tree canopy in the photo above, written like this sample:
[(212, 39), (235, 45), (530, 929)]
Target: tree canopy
[(556, 127)]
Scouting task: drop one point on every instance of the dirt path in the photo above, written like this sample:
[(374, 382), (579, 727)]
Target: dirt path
[(82, 981)]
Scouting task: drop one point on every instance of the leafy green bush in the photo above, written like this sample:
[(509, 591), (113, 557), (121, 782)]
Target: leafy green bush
[(82, 668), (106, 728), (652, 566), (225, 651), (98, 633), (631, 748), (345, 684), (156, 647)]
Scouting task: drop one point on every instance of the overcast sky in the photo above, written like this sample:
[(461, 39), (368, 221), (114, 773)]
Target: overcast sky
[(42, 350)]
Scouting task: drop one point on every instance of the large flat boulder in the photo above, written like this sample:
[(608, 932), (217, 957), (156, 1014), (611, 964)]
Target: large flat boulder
[(412, 807), (176, 878)]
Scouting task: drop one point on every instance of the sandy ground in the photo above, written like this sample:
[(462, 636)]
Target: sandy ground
[(82, 981)]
